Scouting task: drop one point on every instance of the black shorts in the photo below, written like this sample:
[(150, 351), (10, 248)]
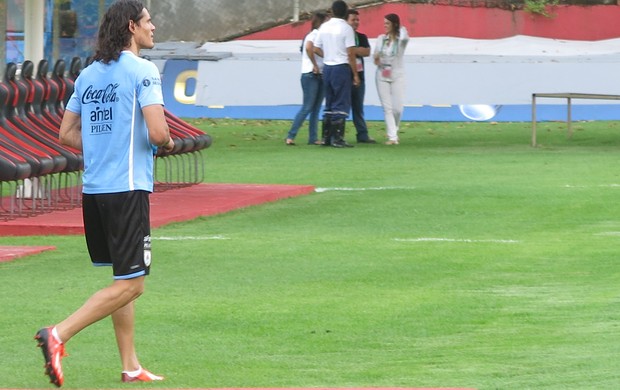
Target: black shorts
[(118, 233)]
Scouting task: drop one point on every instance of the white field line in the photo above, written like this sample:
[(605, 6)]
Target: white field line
[(466, 240), (598, 186), (190, 238), (325, 189), (608, 234)]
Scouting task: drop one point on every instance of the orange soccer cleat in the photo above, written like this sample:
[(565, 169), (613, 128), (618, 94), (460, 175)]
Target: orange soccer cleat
[(143, 376), (53, 352)]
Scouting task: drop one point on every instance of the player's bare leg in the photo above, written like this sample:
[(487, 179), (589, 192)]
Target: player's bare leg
[(123, 320), (103, 303), (100, 305)]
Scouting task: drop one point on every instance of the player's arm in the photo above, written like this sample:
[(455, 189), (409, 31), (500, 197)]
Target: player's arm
[(363, 50), (353, 65), (311, 54), (71, 130), (159, 133)]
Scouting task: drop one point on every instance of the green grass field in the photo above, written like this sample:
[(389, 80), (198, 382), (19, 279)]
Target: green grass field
[(461, 258)]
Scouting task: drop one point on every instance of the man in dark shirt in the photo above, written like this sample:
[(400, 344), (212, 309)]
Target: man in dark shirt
[(362, 49)]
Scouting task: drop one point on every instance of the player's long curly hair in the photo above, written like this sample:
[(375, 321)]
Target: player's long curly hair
[(114, 34)]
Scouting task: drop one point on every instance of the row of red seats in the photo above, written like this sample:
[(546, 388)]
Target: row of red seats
[(31, 109)]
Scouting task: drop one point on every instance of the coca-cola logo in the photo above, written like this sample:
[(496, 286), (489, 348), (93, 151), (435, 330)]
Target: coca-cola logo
[(100, 96)]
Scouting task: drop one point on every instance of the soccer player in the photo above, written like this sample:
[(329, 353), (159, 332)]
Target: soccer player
[(116, 117)]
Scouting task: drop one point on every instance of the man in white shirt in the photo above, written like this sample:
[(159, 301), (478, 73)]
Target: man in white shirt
[(336, 44)]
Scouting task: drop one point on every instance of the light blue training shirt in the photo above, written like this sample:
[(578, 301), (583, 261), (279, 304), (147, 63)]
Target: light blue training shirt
[(118, 155)]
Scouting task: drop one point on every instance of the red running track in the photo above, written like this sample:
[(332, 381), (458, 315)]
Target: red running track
[(175, 205)]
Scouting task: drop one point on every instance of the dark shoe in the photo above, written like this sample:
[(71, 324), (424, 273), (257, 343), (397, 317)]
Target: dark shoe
[(366, 141), (337, 134), (341, 144), (53, 352), (326, 131)]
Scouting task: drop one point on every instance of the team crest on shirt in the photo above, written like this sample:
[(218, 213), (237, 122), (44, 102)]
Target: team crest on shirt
[(147, 82)]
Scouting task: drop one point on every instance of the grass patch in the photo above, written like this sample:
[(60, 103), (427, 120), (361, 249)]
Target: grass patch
[(461, 258)]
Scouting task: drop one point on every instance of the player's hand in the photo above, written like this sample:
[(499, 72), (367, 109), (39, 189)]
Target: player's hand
[(169, 146)]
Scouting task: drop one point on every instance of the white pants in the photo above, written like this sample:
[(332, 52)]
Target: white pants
[(392, 96)]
